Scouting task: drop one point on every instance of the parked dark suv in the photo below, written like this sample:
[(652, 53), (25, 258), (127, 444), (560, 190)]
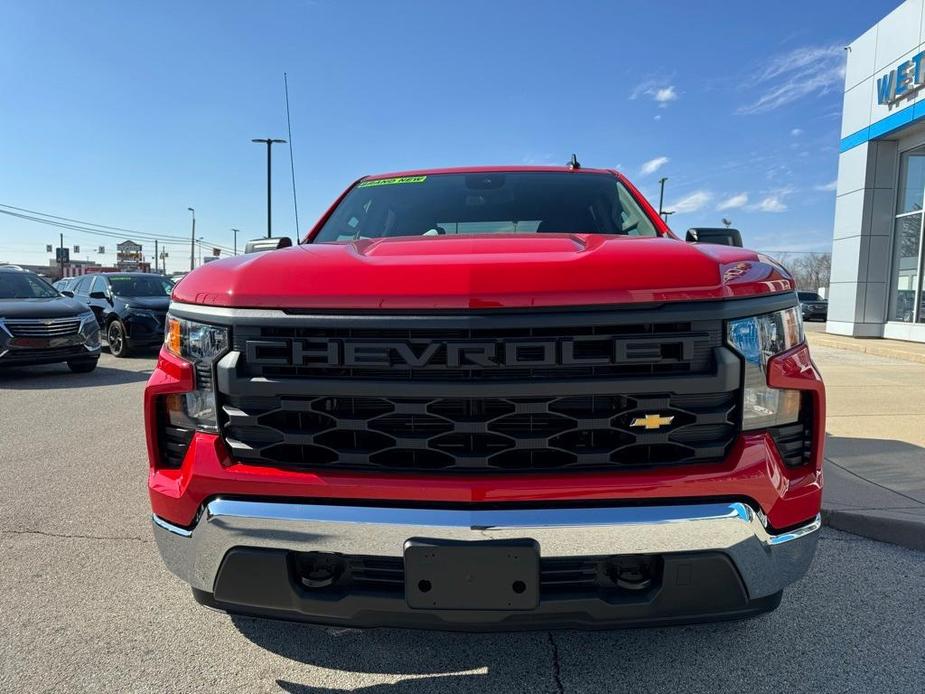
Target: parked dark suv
[(129, 306), (40, 326), (813, 306)]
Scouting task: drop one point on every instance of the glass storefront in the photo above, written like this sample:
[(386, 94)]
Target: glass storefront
[(906, 303)]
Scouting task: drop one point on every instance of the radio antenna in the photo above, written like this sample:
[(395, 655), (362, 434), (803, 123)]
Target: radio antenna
[(295, 202)]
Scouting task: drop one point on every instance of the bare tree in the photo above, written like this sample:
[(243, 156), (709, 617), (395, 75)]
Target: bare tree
[(810, 270)]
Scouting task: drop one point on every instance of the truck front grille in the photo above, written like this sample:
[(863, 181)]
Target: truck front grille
[(471, 434), (526, 392)]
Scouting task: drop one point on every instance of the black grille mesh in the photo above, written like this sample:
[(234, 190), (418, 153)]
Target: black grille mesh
[(172, 441), (558, 575), (478, 433), (407, 413)]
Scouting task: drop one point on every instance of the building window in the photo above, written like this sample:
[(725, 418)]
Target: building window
[(906, 302)]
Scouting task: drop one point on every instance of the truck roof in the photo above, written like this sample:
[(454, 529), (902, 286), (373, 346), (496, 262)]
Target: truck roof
[(491, 169)]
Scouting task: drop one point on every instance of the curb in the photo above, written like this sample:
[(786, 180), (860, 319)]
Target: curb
[(867, 346), (896, 531)]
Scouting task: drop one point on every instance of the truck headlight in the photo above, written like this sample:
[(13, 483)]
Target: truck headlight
[(201, 345), (757, 339)]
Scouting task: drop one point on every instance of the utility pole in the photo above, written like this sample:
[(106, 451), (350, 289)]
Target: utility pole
[(192, 245), (661, 194), (61, 253), (269, 143), (200, 249), (236, 240), (156, 268)]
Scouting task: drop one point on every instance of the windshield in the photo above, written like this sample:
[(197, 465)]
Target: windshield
[(140, 285), (24, 285), (808, 296), (486, 203)]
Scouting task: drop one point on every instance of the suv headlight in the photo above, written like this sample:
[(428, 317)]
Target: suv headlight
[(143, 312), (201, 345), (89, 330), (757, 339)]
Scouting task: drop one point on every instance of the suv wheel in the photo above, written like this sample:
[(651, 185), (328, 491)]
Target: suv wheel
[(82, 366), (115, 336)]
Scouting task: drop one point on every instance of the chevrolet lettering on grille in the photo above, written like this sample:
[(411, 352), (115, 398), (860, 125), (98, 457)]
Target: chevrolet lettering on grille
[(466, 354)]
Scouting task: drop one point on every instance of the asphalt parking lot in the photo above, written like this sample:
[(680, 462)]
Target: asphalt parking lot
[(87, 606)]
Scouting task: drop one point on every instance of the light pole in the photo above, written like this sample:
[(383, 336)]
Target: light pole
[(666, 214), (269, 143), (199, 240), (661, 194), (235, 240), (192, 245)]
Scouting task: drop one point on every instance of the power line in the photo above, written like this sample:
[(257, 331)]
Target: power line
[(83, 223), (77, 227)]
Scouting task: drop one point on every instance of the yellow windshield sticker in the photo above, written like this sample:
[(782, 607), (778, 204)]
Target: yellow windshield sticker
[(392, 181)]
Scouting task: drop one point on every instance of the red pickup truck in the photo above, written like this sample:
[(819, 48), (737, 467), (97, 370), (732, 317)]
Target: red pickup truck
[(487, 398)]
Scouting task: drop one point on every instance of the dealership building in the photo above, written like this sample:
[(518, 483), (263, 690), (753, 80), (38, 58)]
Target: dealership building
[(877, 250)]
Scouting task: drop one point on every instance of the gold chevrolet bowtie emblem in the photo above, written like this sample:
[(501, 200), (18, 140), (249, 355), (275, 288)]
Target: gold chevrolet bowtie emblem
[(652, 421)]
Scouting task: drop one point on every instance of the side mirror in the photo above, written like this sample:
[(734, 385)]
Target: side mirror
[(98, 295), (718, 235), (68, 293), (270, 244)]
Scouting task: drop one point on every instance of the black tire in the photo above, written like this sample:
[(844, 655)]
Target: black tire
[(118, 343), (82, 366)]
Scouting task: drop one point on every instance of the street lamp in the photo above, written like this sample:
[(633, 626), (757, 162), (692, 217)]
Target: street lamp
[(661, 193), (269, 143), (192, 245), (666, 214), (235, 240)]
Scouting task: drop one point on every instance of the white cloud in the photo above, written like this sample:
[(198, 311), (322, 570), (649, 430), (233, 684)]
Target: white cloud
[(665, 95), (692, 202), (653, 165), (733, 201), (658, 116), (811, 70), (796, 132), (827, 187), (771, 203), (661, 93)]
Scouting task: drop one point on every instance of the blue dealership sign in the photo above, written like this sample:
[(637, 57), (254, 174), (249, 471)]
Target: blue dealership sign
[(902, 81)]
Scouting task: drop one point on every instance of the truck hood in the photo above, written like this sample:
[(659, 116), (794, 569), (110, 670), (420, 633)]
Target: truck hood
[(483, 272)]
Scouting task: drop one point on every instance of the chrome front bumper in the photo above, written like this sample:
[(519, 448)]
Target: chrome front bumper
[(766, 562)]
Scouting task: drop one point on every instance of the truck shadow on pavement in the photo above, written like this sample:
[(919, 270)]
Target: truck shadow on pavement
[(412, 661), (858, 635), (59, 377)]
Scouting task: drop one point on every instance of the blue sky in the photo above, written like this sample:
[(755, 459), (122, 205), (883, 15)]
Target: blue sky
[(127, 113)]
